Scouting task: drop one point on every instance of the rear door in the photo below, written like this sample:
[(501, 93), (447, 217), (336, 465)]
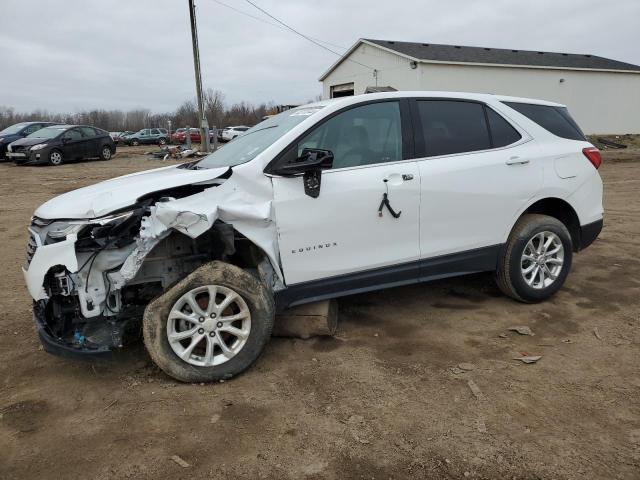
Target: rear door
[(92, 147), (342, 231), (477, 171), (74, 145)]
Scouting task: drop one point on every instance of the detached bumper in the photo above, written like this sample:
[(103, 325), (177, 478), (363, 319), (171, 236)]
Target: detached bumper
[(589, 232), (61, 348)]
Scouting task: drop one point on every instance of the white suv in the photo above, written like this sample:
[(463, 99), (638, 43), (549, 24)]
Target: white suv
[(230, 133), (325, 200)]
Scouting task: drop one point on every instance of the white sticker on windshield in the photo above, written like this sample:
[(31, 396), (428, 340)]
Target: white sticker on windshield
[(304, 113)]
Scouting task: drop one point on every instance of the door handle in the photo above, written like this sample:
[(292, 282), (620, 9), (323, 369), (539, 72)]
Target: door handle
[(397, 178), (517, 161)]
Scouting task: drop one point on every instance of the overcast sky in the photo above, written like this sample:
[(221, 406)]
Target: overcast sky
[(70, 55)]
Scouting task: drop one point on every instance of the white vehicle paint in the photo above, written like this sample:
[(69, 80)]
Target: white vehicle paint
[(101, 250), (230, 133)]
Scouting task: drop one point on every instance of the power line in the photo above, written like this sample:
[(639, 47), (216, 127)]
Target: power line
[(306, 37), (263, 20)]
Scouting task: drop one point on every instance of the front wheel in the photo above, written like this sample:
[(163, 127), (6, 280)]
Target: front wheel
[(135, 142), (210, 326), (536, 259), (55, 158)]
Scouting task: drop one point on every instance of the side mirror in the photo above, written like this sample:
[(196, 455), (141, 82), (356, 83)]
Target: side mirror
[(310, 164), (311, 159), (65, 139)]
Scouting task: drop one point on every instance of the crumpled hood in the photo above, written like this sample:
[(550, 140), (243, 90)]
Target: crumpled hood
[(105, 197)]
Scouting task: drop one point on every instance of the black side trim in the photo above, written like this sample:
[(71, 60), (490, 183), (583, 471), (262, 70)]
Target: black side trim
[(472, 261), (589, 232)]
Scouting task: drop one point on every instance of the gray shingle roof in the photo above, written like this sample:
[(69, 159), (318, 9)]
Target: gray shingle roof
[(501, 56)]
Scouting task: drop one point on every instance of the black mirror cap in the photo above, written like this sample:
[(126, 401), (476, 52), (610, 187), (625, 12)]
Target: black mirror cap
[(311, 159)]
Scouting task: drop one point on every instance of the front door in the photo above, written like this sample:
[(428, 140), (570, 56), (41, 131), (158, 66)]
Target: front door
[(477, 171), (342, 231)]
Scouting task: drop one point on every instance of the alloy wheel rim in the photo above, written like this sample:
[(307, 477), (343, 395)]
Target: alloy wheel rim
[(542, 260), (208, 325), (106, 153), (56, 158)]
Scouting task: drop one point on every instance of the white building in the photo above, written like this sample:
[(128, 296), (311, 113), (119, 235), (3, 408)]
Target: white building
[(603, 95)]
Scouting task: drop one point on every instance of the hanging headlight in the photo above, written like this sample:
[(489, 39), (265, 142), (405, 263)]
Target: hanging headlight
[(62, 229)]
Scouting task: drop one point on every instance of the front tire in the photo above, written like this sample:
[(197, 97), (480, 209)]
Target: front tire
[(193, 339), (135, 142), (55, 158), (536, 259)]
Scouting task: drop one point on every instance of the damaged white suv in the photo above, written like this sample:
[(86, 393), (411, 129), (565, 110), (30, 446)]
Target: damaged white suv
[(325, 200)]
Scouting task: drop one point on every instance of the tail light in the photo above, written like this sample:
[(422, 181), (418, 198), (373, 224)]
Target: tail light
[(593, 155)]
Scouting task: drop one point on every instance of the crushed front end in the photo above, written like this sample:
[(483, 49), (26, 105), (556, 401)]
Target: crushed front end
[(91, 279)]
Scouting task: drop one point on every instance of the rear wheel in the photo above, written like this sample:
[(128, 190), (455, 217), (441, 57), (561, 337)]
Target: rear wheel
[(536, 260), (162, 141), (55, 158), (105, 153), (210, 326)]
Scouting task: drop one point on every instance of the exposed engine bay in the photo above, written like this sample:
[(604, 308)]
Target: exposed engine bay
[(91, 279)]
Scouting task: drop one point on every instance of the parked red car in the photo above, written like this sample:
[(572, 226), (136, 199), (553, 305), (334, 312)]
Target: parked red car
[(180, 135)]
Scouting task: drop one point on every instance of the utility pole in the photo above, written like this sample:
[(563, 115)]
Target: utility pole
[(204, 125)]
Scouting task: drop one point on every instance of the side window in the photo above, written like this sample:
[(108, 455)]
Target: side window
[(363, 135), (32, 128), (73, 134), (155, 131), (452, 126), (553, 119), (502, 133), (144, 133), (88, 132)]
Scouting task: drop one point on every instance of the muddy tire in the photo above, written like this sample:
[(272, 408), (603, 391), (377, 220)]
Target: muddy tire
[(194, 340), (536, 259)]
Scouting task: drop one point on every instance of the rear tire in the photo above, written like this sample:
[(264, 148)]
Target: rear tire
[(171, 326), (105, 153), (55, 158), (162, 141), (536, 259)]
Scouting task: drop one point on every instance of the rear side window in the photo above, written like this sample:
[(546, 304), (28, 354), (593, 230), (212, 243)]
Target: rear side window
[(88, 132), (502, 133), (451, 126), (553, 119)]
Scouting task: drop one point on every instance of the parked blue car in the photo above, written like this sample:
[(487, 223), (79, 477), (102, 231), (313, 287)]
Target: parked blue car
[(16, 132)]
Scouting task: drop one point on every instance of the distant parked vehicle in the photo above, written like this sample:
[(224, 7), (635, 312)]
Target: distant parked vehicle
[(16, 132), (156, 136), (180, 135), (230, 133), (62, 143)]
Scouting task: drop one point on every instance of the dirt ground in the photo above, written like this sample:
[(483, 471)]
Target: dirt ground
[(382, 400)]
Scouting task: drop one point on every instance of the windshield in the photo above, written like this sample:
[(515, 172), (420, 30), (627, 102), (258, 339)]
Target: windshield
[(49, 132), (13, 129), (257, 139)]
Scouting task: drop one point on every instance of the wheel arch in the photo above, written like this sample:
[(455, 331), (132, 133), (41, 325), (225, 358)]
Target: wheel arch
[(561, 210), (222, 242)]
